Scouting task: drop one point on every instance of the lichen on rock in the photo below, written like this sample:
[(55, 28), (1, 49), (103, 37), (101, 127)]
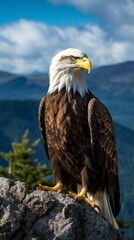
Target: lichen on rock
[(41, 215)]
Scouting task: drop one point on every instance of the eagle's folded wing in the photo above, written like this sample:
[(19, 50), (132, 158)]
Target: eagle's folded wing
[(104, 149)]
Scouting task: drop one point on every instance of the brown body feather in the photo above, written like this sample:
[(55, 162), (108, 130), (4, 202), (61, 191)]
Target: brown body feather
[(79, 140)]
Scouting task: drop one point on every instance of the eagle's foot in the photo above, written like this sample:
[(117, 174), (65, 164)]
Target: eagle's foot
[(56, 188), (81, 197), (88, 201)]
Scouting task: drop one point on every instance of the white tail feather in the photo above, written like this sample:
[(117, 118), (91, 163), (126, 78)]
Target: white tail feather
[(101, 199)]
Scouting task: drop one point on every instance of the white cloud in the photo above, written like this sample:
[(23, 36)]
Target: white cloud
[(111, 10), (114, 14), (27, 46)]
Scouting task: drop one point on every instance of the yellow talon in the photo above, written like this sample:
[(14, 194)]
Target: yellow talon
[(88, 201), (81, 196), (56, 188), (72, 195)]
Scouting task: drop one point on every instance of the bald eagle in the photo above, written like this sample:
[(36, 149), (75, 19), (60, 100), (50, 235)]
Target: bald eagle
[(77, 131)]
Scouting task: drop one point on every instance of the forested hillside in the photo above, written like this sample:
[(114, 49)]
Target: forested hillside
[(15, 117)]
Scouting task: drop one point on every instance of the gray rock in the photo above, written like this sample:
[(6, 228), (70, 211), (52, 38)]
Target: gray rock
[(38, 215)]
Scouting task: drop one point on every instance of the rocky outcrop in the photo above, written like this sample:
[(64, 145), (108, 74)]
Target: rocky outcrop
[(38, 215)]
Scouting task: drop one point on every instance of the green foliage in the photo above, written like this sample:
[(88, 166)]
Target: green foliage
[(3, 172), (125, 224), (21, 166)]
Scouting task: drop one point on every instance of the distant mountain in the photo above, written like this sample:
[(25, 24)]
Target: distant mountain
[(22, 87), (113, 85), (6, 76)]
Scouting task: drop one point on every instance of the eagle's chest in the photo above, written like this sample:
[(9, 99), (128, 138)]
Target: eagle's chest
[(67, 129), (66, 114)]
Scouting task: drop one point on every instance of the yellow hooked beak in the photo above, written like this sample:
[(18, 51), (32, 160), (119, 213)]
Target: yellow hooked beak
[(84, 63)]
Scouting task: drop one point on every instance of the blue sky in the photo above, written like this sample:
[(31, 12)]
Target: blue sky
[(43, 11), (32, 31)]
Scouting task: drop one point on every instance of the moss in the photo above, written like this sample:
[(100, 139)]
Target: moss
[(4, 219)]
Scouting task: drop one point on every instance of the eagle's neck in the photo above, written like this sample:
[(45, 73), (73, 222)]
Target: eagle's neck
[(70, 79)]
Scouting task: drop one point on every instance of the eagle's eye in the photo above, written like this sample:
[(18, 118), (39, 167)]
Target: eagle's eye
[(72, 58)]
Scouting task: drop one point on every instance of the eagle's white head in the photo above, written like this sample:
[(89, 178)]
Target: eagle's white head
[(67, 70)]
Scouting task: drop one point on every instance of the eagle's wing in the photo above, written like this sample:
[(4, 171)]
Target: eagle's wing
[(41, 119), (104, 149)]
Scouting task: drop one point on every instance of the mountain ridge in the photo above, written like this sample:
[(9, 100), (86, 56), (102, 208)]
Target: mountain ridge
[(112, 84), (107, 71)]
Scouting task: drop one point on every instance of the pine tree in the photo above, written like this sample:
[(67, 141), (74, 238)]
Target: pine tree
[(21, 166)]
